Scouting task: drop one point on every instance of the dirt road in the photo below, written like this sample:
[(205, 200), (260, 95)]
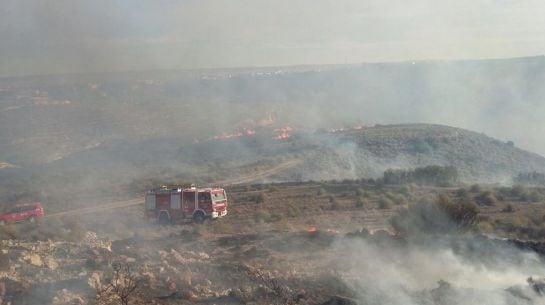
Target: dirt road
[(139, 201)]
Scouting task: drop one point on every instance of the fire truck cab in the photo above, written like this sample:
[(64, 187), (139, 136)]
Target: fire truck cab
[(176, 203)]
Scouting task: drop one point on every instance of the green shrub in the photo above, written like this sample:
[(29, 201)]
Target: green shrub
[(292, 211), (275, 217), (333, 204), (508, 209), (9, 231), (385, 203), (485, 227), (535, 196), (362, 203), (77, 231), (475, 188), (401, 200), (462, 193), (91, 264), (260, 198), (359, 192), (438, 216), (405, 190), (430, 175), (518, 191), (487, 198), (321, 192), (390, 195), (262, 216)]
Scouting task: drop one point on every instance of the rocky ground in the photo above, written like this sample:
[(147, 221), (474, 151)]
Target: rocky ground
[(280, 244)]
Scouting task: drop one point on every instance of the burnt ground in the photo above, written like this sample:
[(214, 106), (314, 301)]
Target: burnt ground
[(284, 243)]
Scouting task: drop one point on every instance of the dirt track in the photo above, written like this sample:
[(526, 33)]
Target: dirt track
[(139, 201), (261, 174)]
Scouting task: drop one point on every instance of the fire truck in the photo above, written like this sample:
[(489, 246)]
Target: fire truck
[(171, 204)]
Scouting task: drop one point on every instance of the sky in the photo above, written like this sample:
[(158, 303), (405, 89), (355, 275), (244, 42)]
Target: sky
[(66, 36)]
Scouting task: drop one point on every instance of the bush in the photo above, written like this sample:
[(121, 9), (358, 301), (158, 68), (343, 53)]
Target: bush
[(91, 264), (77, 232), (262, 216), (359, 192), (260, 198), (430, 175), (486, 227), (533, 178), (438, 216), (462, 193), (518, 191), (9, 231), (333, 203), (385, 203), (508, 209), (475, 188), (361, 203), (122, 288), (401, 200), (487, 198), (273, 188), (535, 196), (421, 146), (405, 190), (320, 192), (292, 211)]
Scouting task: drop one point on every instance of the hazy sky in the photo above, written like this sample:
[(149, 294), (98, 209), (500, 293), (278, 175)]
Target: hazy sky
[(40, 36)]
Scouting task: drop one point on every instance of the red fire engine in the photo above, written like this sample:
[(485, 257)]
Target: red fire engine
[(173, 204)]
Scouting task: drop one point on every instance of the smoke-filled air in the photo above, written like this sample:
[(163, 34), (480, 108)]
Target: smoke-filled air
[(272, 152)]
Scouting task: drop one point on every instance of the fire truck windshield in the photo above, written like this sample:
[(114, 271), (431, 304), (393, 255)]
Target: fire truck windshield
[(218, 196)]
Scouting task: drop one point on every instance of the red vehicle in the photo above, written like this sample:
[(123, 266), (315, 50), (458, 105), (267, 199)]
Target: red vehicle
[(174, 204), (22, 212)]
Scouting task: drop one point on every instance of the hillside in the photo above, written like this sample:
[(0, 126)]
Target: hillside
[(351, 153), (47, 118), (110, 134), (122, 169)]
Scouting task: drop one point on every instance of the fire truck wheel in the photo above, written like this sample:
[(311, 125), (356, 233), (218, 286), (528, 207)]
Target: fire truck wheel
[(163, 218), (198, 217)]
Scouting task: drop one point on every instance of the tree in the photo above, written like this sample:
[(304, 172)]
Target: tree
[(120, 289)]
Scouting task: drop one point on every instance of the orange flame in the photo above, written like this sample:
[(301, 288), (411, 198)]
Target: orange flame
[(283, 132), (312, 229), (283, 135), (245, 132)]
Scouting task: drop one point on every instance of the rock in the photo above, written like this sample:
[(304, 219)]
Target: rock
[(149, 280), (177, 257), (94, 281), (203, 255), (65, 297), (51, 263), (34, 259)]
